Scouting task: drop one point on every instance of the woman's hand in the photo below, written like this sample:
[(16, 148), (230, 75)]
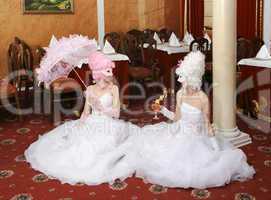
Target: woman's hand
[(211, 131), (83, 116), (156, 107)]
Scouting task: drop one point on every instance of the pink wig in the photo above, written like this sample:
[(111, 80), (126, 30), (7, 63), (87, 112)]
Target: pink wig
[(98, 63)]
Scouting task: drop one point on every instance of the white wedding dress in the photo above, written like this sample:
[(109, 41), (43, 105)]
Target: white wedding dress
[(93, 151), (181, 154)]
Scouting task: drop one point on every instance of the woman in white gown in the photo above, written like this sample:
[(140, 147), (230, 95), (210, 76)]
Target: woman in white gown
[(94, 148), (186, 153)]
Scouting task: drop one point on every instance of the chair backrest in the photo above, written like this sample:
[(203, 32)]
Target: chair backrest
[(244, 49), (131, 47), (137, 34), (148, 33), (40, 53), (20, 56), (114, 39), (256, 45), (200, 44), (149, 52), (164, 34)]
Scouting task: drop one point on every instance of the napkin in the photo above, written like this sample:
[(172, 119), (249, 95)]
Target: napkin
[(186, 38), (173, 40), (156, 38), (52, 43), (108, 49), (191, 38), (263, 53)]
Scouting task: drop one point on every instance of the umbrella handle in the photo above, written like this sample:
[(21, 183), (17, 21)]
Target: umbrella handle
[(79, 77)]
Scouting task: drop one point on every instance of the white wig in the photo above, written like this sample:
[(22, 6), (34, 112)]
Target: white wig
[(191, 69)]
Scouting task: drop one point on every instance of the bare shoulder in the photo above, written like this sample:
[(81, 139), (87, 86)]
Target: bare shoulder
[(179, 96), (203, 96), (90, 88)]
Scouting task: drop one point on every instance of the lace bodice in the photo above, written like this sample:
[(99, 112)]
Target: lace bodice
[(192, 120), (106, 101)]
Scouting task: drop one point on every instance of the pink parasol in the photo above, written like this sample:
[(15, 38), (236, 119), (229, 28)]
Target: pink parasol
[(63, 55)]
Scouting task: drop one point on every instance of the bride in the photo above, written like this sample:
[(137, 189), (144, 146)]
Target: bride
[(186, 153), (94, 148)]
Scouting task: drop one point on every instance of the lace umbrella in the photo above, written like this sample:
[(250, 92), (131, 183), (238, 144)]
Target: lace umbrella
[(63, 55)]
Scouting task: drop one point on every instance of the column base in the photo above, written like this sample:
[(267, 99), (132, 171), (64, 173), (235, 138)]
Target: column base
[(235, 136)]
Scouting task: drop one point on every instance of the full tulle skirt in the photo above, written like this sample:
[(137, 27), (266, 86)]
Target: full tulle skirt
[(171, 156), (93, 151)]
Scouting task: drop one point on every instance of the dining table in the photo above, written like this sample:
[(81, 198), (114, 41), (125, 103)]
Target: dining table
[(254, 87), (168, 58)]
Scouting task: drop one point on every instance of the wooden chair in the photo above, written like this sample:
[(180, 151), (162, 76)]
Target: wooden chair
[(8, 92), (39, 106), (148, 33), (256, 44), (164, 34), (65, 91), (137, 34), (148, 71), (40, 52), (20, 63), (115, 40), (244, 49), (131, 47)]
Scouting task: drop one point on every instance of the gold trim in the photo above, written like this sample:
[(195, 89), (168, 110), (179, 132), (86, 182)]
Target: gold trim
[(259, 19), (71, 11), (256, 20)]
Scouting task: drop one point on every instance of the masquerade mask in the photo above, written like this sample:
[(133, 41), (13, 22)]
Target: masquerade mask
[(107, 72)]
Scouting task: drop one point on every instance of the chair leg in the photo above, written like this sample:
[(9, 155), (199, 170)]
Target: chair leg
[(56, 105), (19, 114)]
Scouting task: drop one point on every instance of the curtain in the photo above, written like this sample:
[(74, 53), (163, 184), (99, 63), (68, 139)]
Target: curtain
[(249, 18), (182, 17), (196, 17)]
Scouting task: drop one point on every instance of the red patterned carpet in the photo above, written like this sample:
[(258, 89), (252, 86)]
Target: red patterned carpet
[(19, 182)]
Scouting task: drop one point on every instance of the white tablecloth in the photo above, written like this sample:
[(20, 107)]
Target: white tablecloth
[(113, 57), (170, 49), (117, 57), (255, 62)]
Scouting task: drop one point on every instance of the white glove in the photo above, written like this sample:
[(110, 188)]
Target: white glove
[(167, 113), (215, 143)]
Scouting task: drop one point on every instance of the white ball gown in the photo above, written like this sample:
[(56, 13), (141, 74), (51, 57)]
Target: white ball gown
[(92, 152), (181, 154)]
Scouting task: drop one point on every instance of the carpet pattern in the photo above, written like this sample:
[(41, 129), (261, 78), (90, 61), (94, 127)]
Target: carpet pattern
[(19, 182)]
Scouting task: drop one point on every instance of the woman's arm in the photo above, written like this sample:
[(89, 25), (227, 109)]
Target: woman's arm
[(86, 110), (171, 115), (177, 116), (206, 112), (115, 110)]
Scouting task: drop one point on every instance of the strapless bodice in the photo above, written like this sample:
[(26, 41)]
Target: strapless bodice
[(106, 101), (192, 119)]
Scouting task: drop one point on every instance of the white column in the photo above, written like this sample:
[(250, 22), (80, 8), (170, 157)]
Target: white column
[(101, 27), (224, 72), (267, 23)]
